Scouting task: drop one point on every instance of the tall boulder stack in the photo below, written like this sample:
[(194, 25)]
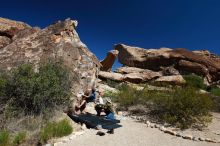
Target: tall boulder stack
[(21, 43), (180, 60)]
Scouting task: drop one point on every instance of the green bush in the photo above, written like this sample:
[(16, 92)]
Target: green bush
[(186, 107), (55, 129), (112, 83), (4, 138), (215, 91), (182, 106), (216, 98), (3, 84), (128, 96), (36, 92), (194, 81), (19, 138)]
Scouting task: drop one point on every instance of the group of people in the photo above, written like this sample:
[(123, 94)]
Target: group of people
[(100, 106)]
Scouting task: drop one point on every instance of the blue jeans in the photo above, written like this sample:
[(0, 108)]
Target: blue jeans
[(110, 116)]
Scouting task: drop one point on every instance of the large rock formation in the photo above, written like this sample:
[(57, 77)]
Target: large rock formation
[(183, 61), (130, 74), (108, 62), (21, 43)]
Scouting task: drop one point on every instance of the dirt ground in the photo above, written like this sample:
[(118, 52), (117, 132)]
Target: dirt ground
[(133, 133)]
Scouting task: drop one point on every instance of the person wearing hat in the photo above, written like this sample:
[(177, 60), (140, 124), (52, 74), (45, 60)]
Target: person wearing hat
[(108, 109)]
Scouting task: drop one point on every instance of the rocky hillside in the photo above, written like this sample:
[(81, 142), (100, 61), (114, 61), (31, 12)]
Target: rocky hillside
[(162, 65), (21, 43)]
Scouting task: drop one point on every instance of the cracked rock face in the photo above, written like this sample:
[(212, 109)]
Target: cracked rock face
[(181, 61), (21, 43)]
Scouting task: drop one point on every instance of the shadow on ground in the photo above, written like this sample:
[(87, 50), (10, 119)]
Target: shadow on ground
[(92, 121)]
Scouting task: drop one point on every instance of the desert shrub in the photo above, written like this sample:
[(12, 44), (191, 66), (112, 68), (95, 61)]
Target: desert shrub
[(127, 95), (111, 83), (3, 84), (19, 138), (182, 106), (195, 81), (36, 92), (4, 138), (215, 91), (55, 129), (185, 107)]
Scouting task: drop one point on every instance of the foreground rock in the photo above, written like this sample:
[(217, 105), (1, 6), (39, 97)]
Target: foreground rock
[(182, 60), (21, 43)]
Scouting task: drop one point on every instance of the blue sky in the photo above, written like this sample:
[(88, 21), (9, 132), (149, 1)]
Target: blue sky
[(191, 24)]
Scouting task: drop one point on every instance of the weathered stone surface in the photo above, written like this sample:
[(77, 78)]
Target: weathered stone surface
[(133, 77), (111, 76), (137, 75), (108, 62), (168, 71), (127, 70), (9, 28), (200, 63), (147, 59), (175, 79), (59, 42), (4, 41), (193, 67), (140, 77)]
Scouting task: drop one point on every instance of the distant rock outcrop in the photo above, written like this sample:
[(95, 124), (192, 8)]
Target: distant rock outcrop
[(171, 61), (21, 43)]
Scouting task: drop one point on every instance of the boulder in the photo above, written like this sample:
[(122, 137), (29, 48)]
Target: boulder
[(111, 75), (108, 62), (137, 75), (184, 61), (58, 42), (127, 70), (175, 79), (193, 67), (133, 77)]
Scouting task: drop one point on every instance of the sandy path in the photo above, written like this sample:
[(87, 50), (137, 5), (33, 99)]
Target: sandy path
[(132, 133)]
